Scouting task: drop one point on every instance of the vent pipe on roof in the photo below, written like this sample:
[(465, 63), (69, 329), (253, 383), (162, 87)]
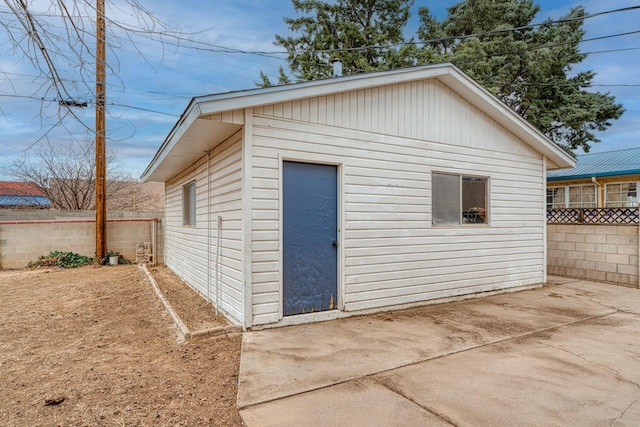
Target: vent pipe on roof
[(337, 67)]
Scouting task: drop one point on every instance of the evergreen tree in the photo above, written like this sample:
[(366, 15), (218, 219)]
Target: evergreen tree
[(351, 31), (530, 69)]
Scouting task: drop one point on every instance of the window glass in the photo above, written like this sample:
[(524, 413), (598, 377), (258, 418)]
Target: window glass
[(445, 198), (458, 199), (582, 196), (189, 204), (622, 194), (474, 200), (556, 198)]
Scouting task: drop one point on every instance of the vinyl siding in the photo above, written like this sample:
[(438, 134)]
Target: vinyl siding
[(191, 251), (387, 142)]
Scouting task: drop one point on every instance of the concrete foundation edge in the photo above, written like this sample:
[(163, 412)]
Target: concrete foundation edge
[(183, 332)]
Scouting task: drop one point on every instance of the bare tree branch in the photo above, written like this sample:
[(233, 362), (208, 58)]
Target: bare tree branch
[(65, 173)]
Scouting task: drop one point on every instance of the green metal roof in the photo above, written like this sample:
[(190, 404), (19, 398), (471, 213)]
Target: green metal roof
[(609, 163)]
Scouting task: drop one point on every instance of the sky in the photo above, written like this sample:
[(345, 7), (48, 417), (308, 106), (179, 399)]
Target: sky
[(150, 82)]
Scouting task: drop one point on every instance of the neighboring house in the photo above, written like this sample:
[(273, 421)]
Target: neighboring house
[(22, 195), (599, 180), (321, 199)]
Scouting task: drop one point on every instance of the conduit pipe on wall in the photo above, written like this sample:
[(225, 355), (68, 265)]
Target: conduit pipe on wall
[(219, 223), (209, 231)]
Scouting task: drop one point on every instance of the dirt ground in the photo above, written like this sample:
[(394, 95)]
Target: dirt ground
[(94, 347), (192, 308)]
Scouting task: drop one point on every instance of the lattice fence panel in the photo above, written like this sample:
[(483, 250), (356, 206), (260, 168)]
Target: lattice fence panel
[(564, 216), (593, 216)]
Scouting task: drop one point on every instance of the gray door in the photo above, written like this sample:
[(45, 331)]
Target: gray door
[(310, 234)]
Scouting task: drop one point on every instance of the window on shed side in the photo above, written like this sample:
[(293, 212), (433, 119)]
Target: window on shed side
[(189, 204), (458, 199)]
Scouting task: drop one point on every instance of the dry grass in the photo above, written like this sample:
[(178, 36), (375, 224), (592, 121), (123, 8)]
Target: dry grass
[(93, 346)]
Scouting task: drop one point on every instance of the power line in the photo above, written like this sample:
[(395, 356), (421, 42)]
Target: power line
[(144, 109), (204, 46), (215, 48), (209, 47), (595, 52), (544, 46)]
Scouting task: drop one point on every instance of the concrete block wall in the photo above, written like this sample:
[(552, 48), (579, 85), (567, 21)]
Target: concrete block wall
[(50, 214), (24, 241), (604, 253)]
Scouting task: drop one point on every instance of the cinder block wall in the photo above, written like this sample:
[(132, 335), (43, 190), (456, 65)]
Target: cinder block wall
[(606, 253), (49, 214), (23, 241)]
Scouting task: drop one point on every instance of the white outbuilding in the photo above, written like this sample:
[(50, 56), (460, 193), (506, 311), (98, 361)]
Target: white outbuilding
[(323, 199)]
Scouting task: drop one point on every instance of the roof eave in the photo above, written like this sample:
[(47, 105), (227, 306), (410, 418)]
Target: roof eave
[(594, 175), (497, 110), (211, 104), (447, 73), (188, 116)]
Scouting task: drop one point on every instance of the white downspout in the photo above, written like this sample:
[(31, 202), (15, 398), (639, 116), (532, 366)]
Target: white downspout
[(545, 223), (599, 199)]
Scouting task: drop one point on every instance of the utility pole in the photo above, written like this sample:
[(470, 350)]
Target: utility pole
[(101, 185)]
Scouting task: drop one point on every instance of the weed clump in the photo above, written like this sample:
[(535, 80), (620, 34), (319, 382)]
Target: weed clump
[(73, 260)]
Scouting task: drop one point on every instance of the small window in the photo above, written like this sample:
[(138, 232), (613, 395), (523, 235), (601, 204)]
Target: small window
[(582, 196), (189, 204), (556, 197), (621, 195), (458, 199)]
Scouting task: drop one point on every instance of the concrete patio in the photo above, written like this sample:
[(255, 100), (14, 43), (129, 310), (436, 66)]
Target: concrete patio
[(564, 354)]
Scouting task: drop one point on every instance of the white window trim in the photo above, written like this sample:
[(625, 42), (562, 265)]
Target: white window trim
[(565, 190), (487, 199), (637, 183), (189, 204), (567, 194)]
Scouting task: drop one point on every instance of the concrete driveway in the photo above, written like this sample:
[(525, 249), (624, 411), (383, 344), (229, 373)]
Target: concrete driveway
[(567, 354)]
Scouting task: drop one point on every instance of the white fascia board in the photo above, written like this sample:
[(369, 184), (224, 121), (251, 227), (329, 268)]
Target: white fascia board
[(450, 75), (191, 113), (272, 95), (477, 95), (211, 104), (447, 73)]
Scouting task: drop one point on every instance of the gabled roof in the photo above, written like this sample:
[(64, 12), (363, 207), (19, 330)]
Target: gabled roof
[(609, 163), (190, 137)]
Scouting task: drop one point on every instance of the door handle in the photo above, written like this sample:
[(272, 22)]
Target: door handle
[(334, 243)]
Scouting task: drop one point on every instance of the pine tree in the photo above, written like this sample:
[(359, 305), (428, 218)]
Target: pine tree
[(530, 69), (347, 30)]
